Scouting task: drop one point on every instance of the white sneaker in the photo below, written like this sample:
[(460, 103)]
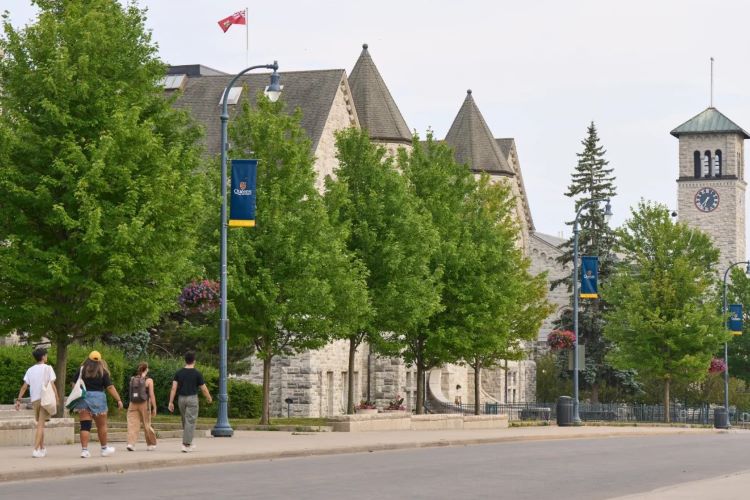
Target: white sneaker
[(151, 447), (38, 453), (85, 454), (44, 452), (108, 451), (130, 447), (187, 449)]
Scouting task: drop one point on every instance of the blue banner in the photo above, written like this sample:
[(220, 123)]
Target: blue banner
[(734, 323), (589, 274), (242, 208)]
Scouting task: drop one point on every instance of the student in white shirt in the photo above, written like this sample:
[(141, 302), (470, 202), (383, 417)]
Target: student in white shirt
[(34, 380)]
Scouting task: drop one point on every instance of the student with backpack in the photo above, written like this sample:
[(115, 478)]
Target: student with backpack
[(38, 379), (141, 408)]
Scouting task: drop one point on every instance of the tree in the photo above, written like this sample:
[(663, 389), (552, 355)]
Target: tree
[(664, 319), (100, 182), (591, 179), (289, 273), (739, 346), (389, 231), (493, 303)]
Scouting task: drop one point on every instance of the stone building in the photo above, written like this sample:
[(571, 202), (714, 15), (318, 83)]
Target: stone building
[(331, 100), (711, 183)]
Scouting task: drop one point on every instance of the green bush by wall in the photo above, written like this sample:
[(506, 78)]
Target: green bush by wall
[(14, 361)]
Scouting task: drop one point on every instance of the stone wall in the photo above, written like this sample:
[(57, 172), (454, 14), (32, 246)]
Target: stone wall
[(544, 258)]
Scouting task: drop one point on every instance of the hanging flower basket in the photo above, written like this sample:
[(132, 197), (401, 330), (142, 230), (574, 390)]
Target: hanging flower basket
[(200, 297), (561, 339), (717, 366)]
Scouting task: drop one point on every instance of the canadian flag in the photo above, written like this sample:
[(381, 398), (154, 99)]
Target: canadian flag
[(236, 18)]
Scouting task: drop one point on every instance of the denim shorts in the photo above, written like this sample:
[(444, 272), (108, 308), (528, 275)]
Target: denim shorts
[(95, 403)]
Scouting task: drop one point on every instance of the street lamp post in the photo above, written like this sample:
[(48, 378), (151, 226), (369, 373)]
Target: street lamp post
[(726, 344), (222, 427), (607, 215)]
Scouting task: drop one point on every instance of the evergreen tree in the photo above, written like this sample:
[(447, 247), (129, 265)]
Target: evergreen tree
[(591, 179), (664, 318), (291, 282), (99, 183), (392, 235)]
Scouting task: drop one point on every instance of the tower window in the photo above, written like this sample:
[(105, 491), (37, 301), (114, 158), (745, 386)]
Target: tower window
[(707, 164), (717, 163), (697, 164)]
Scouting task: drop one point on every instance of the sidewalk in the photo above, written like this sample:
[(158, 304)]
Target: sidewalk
[(730, 487), (16, 462)]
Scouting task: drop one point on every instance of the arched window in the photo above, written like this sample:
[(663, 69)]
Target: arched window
[(697, 164), (717, 163), (707, 164)]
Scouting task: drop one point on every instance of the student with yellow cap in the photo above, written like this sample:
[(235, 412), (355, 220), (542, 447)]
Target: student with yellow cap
[(95, 374)]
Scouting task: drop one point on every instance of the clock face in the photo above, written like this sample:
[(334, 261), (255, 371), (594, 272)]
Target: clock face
[(706, 199)]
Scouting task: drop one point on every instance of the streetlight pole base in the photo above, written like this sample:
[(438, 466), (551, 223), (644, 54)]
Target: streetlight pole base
[(222, 431)]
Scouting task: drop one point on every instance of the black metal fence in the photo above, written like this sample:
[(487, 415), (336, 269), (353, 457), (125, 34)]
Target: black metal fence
[(599, 412)]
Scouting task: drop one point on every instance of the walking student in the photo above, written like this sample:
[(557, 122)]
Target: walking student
[(35, 379), (141, 408), (186, 383), (95, 373)]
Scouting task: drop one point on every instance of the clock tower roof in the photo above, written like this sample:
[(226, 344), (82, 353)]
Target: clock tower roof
[(709, 121)]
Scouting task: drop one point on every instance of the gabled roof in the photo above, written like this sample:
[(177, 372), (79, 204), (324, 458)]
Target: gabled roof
[(709, 121), (311, 91), (473, 143), (376, 109), (193, 70), (508, 147)]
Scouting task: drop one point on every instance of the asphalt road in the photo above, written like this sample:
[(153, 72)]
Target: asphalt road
[(580, 469)]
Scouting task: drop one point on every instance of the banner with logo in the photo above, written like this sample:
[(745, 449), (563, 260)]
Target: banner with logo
[(734, 323), (242, 208), (589, 274)]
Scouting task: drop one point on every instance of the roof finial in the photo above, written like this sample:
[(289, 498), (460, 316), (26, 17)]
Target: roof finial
[(364, 46), (711, 101), (468, 91)]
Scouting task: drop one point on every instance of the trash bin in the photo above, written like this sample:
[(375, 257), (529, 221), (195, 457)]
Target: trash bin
[(564, 411), (721, 418)]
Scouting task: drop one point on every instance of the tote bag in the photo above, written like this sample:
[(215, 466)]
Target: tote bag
[(78, 392), (49, 400)]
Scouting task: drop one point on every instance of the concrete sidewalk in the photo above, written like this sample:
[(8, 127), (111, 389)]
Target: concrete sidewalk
[(17, 464), (730, 487)]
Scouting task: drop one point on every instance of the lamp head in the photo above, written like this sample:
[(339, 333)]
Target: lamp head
[(273, 91), (747, 269), (607, 212)]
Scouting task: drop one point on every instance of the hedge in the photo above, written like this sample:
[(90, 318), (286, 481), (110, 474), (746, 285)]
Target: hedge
[(14, 361)]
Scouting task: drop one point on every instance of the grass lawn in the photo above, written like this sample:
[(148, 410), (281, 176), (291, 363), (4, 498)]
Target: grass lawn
[(121, 417)]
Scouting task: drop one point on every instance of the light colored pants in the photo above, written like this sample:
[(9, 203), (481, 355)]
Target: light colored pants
[(138, 413), (189, 413)]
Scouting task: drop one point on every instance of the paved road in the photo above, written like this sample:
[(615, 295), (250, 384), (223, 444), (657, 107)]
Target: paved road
[(580, 469)]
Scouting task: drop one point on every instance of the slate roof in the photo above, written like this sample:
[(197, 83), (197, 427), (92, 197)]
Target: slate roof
[(709, 121), (473, 143), (193, 70), (554, 241), (376, 109), (311, 91)]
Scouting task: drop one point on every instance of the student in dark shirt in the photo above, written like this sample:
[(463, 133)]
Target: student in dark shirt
[(186, 383), (95, 373)]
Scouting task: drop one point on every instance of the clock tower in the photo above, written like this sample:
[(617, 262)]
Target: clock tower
[(711, 185)]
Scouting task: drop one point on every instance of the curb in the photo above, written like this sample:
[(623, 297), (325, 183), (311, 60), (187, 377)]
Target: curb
[(192, 460)]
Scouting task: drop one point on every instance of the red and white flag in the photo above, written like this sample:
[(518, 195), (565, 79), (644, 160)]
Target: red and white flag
[(236, 18)]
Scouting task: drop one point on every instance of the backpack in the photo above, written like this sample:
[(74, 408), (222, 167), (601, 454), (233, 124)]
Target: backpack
[(138, 392)]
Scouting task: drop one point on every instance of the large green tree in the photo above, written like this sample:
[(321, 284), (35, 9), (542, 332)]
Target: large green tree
[(739, 346), (99, 183), (664, 320), (493, 303), (591, 179), (389, 231), (291, 281)]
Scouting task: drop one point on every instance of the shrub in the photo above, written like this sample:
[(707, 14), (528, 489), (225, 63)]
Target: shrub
[(561, 339), (14, 361)]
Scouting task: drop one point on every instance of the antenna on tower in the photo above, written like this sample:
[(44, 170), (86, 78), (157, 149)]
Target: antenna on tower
[(711, 102)]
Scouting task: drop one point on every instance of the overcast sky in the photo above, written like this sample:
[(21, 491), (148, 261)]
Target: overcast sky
[(540, 71)]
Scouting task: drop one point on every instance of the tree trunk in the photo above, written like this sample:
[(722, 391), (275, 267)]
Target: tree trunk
[(595, 392), (61, 364), (420, 389), (350, 391), (265, 418), (667, 416), (477, 383)]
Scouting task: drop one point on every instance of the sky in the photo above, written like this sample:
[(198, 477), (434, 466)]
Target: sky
[(540, 71)]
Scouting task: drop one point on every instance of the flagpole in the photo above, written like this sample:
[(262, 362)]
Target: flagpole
[(247, 37)]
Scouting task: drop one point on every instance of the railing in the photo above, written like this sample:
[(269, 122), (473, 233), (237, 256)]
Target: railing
[(601, 412)]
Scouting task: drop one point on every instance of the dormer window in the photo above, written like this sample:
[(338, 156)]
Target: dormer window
[(233, 97)]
